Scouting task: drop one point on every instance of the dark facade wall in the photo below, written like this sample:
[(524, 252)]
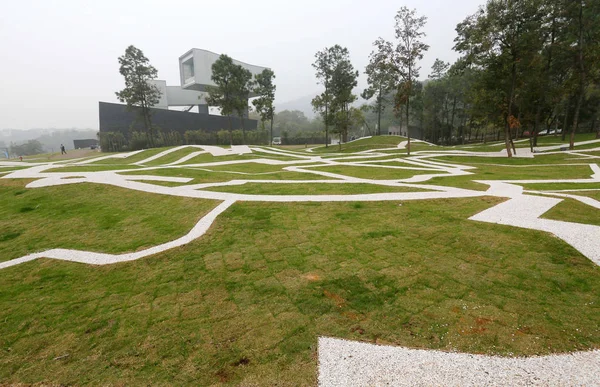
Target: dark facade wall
[(115, 118), (80, 144)]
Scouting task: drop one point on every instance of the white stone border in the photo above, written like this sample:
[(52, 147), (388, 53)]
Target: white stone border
[(348, 363)]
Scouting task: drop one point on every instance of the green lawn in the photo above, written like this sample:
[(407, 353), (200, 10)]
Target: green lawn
[(90, 217), (560, 186), (311, 189), (244, 305), (570, 210), (131, 159), (590, 194), (505, 172), (540, 158), (201, 175), (373, 172), (93, 168), (172, 157), (375, 142)]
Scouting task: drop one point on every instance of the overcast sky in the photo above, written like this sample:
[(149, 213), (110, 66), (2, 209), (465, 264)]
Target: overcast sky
[(59, 58)]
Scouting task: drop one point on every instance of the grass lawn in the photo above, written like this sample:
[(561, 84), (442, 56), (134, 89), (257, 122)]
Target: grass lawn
[(375, 142), (570, 210), (246, 303), (373, 172), (131, 159), (208, 158), (173, 156), (93, 168), (200, 175), (502, 172), (540, 158), (311, 189), (9, 169), (90, 217), (590, 194), (560, 186)]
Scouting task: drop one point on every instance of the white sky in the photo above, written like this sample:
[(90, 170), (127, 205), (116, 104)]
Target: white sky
[(59, 58)]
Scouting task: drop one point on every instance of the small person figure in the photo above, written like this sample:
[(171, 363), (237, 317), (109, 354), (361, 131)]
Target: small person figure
[(21, 158), (62, 150)]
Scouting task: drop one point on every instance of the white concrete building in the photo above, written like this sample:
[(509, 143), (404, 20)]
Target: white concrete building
[(195, 71)]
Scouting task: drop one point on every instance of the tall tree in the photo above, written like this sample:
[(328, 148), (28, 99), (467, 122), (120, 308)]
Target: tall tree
[(380, 77), (584, 18), (409, 50), (243, 85), (502, 38), (265, 89), (343, 81), (139, 92), (324, 70), (233, 84)]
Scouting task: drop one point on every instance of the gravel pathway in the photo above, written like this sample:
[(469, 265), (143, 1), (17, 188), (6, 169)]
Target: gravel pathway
[(347, 363)]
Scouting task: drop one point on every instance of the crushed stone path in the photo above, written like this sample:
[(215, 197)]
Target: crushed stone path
[(348, 363)]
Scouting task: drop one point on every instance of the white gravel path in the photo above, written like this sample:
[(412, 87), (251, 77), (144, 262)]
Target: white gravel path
[(524, 211), (346, 363)]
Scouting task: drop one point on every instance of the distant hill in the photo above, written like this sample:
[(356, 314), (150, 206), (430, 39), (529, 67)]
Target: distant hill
[(302, 104), (50, 138)]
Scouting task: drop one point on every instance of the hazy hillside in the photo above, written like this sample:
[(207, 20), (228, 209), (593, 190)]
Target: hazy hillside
[(50, 138), (302, 104)]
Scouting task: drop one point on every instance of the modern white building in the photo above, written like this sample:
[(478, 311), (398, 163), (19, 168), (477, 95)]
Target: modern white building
[(195, 71)]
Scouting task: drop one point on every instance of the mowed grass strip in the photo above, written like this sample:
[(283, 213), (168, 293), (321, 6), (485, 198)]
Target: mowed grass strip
[(504, 172), (244, 305), (208, 158), (570, 210), (375, 142), (173, 156), (93, 168), (90, 217), (560, 186), (539, 158), (376, 173), (205, 175), (310, 189), (130, 159)]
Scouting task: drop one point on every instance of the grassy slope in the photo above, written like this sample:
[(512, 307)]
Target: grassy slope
[(246, 303), (375, 142), (93, 168), (571, 210), (204, 176), (90, 217), (501, 172), (373, 172), (311, 189)]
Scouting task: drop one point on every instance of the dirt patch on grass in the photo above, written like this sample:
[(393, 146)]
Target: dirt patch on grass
[(339, 301)]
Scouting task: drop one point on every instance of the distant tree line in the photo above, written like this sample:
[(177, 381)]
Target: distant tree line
[(526, 66)]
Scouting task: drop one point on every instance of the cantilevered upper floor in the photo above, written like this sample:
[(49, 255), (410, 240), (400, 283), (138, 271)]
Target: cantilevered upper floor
[(195, 69)]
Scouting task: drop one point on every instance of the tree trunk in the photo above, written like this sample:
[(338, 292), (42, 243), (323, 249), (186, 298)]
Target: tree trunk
[(326, 116), (230, 131), (379, 103), (581, 77), (566, 121), (271, 138), (452, 119), (407, 118), (507, 131), (243, 128)]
